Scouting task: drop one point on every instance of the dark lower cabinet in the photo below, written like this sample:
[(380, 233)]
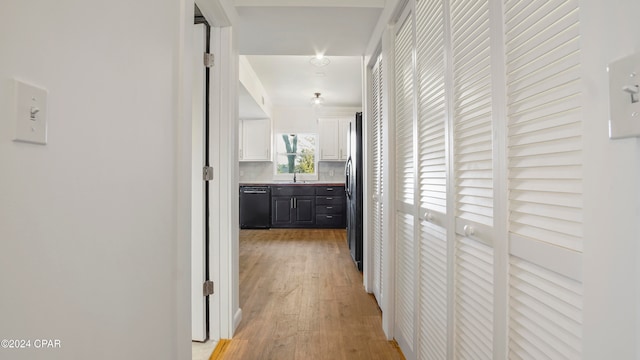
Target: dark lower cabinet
[(293, 211), (304, 210), (293, 206), (307, 206), (330, 208), (281, 214)]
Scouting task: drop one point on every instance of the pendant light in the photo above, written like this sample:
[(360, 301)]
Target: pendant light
[(317, 101)]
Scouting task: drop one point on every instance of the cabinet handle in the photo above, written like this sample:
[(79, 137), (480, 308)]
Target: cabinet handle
[(329, 198), (291, 202), (329, 217), (329, 189), (329, 207)]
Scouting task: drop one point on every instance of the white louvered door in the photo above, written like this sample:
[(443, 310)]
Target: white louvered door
[(376, 181), (545, 171), (405, 274), (488, 180), (473, 172), (432, 173)]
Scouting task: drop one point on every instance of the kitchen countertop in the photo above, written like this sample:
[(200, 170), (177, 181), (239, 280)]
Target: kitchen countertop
[(288, 183)]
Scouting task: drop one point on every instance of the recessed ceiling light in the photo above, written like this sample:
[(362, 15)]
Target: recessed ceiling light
[(319, 61)]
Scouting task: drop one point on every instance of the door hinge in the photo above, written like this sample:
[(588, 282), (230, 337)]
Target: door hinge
[(207, 288), (209, 60), (207, 173)]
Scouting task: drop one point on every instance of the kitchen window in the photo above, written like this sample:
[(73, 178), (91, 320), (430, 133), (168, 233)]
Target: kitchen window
[(296, 153)]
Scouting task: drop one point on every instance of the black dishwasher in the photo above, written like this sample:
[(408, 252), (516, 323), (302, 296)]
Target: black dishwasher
[(255, 207)]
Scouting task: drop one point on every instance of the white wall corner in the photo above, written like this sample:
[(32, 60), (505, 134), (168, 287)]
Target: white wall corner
[(218, 12), (253, 86)]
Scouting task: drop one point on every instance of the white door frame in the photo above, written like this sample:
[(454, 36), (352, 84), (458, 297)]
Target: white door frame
[(225, 313), (198, 204)]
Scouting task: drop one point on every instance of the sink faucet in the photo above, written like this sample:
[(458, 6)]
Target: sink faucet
[(294, 176)]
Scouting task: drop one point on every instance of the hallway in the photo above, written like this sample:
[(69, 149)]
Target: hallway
[(302, 298)]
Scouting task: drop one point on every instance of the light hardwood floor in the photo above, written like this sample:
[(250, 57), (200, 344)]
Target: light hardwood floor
[(302, 298)]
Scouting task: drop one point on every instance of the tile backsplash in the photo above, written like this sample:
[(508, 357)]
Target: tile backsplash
[(332, 171)]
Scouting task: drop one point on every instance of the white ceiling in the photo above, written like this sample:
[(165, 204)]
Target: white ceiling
[(280, 36), (292, 80)]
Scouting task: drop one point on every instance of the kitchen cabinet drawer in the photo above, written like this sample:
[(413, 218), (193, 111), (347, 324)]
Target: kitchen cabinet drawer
[(330, 190), (334, 221), (330, 200), (329, 209), (292, 190)]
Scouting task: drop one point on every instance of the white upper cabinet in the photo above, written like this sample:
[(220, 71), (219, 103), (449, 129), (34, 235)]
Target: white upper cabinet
[(333, 138), (255, 140), (343, 132)]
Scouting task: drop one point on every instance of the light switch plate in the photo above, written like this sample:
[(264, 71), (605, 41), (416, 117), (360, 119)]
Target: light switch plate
[(30, 113), (624, 97)]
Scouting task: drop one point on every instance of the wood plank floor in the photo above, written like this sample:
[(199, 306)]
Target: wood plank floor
[(302, 298)]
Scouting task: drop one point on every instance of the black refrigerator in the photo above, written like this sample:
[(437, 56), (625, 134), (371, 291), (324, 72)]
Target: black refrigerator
[(353, 188)]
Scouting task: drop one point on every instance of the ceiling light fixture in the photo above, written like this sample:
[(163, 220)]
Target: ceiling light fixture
[(317, 100), (319, 60)]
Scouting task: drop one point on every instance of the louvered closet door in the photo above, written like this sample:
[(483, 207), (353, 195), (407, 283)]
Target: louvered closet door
[(545, 171), (405, 274), (432, 172), (377, 184), (473, 174)]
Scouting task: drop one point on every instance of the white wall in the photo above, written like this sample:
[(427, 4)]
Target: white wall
[(612, 191), (294, 119), (88, 222), (305, 119)]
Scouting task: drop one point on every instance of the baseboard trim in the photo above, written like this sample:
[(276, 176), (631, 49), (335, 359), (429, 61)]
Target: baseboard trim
[(237, 317)]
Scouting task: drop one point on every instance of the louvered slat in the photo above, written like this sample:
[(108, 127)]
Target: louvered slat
[(377, 179), (405, 275), (472, 111), (473, 173), (405, 272), (545, 172), (432, 332), (545, 129), (545, 313), (433, 292), (474, 300), (404, 114), (431, 105)]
